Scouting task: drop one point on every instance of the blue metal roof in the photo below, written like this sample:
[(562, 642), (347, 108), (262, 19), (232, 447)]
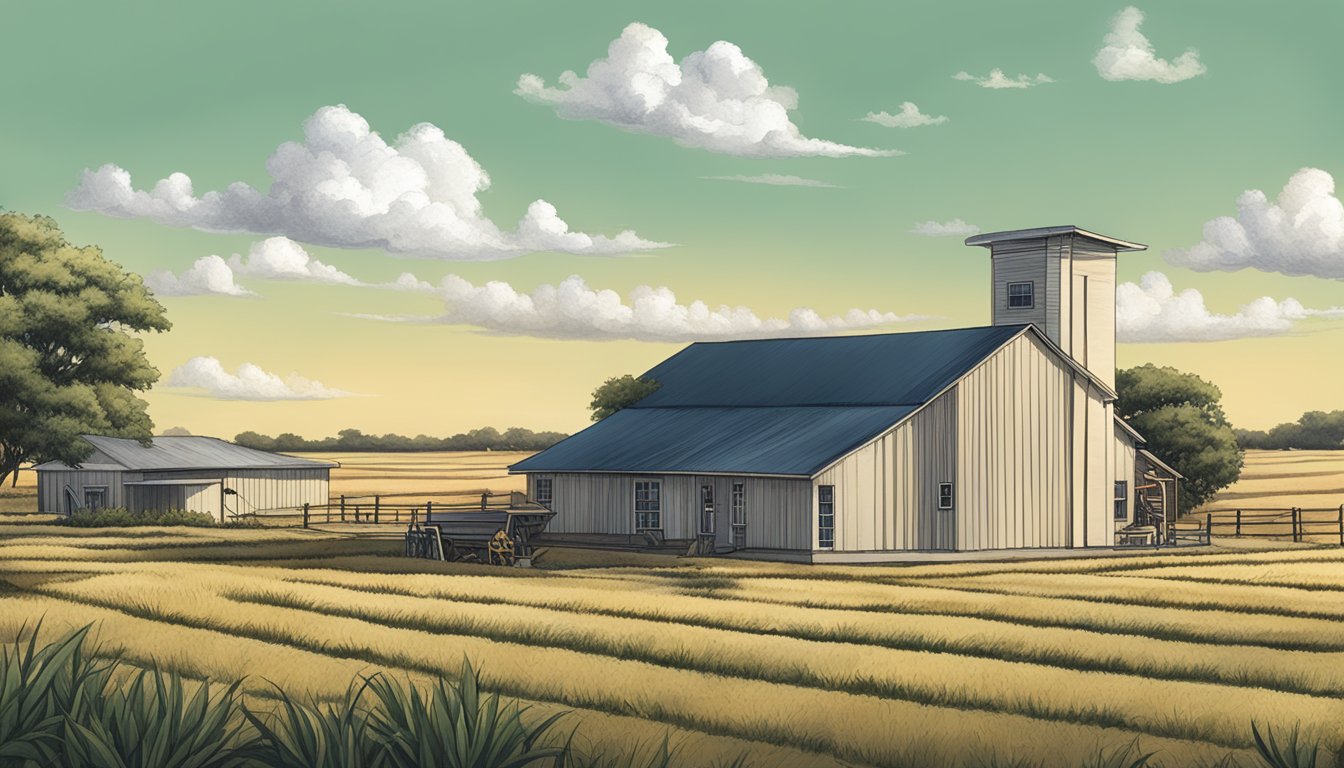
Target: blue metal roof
[(774, 406), (750, 441), (882, 369)]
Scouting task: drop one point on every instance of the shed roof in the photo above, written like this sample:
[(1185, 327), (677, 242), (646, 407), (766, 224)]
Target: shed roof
[(775, 406), (189, 452)]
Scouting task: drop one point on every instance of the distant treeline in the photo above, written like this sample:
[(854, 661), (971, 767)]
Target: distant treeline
[(486, 439), (1316, 430)]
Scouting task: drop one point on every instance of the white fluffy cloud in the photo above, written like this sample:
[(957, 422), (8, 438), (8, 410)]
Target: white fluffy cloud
[(208, 376), (953, 228), (344, 186), (208, 275), (1128, 55), (573, 310), (1300, 233), (773, 179), (279, 258), (716, 99), (1152, 311), (996, 79), (908, 117)]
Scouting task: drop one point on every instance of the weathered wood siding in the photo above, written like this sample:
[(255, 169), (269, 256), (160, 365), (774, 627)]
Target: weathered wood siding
[(51, 485), (593, 503), (886, 492)]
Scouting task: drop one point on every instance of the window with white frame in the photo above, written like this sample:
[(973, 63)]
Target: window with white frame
[(648, 505), (944, 495), (738, 514), (544, 492), (1121, 499), (826, 516), (1021, 295)]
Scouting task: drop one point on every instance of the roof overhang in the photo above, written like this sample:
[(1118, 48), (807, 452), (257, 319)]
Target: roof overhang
[(1134, 433), (177, 481), (1161, 464), (988, 239)]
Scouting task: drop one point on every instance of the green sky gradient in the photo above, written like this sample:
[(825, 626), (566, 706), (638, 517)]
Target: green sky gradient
[(212, 89)]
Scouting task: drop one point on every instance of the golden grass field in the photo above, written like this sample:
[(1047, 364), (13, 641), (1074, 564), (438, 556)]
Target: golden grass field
[(1044, 661)]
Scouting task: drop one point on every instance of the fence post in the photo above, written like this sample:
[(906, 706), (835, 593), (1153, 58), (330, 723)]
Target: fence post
[(1208, 525), (1297, 524), (305, 514), (376, 503), (342, 507), (429, 510), (1238, 523), (1341, 525), (485, 500)]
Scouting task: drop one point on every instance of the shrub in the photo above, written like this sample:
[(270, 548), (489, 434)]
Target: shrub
[(119, 517), (39, 689)]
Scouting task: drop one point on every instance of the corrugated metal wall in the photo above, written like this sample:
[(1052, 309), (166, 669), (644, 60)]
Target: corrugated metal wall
[(195, 498), (778, 509), (1023, 261), (257, 488), (886, 492)]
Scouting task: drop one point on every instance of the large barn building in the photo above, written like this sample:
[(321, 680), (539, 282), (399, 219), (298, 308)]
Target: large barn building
[(870, 448), (198, 474)]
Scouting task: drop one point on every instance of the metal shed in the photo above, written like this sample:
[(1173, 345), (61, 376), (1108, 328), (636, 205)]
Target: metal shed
[(199, 474)]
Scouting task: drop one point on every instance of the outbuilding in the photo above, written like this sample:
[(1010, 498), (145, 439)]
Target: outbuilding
[(198, 474)]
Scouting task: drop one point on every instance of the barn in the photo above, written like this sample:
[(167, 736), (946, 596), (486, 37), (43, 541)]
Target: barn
[(875, 447), (199, 474)]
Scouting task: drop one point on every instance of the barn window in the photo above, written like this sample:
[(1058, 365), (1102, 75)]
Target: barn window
[(95, 498), (826, 516), (1121, 499), (738, 515), (944, 495), (544, 491), (648, 505), (1021, 295)]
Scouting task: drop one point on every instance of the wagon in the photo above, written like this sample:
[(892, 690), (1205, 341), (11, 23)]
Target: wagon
[(496, 536)]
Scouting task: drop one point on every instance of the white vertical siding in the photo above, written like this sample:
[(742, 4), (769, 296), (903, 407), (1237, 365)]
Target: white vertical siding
[(1014, 428), (1123, 469), (886, 492)]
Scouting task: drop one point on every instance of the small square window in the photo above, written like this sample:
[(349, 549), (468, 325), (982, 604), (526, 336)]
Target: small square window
[(1021, 295), (944, 495)]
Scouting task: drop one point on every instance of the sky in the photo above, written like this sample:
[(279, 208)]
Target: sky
[(420, 224)]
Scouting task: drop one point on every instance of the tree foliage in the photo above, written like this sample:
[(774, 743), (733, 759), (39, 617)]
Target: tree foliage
[(1315, 430), (620, 392), (485, 439), (1180, 416), (70, 362)]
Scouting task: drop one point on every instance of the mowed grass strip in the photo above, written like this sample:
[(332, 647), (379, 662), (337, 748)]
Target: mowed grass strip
[(852, 727), (205, 654), (1084, 650), (1188, 710)]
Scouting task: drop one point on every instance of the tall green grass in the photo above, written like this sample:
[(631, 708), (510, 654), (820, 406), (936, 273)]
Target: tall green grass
[(63, 705)]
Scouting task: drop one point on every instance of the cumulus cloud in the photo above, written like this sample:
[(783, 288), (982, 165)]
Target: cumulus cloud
[(1126, 54), (344, 186), (208, 275), (773, 179), (279, 258), (1300, 233), (1152, 311), (716, 99), (250, 382), (996, 79), (908, 117), (573, 310), (953, 228)]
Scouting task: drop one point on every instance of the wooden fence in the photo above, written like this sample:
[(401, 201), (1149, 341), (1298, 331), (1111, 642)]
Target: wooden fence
[(1297, 523), (381, 509)]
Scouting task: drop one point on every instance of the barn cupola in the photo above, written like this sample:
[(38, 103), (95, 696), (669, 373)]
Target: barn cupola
[(1062, 280)]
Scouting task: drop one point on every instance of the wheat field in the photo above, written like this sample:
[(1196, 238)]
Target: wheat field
[(1044, 662)]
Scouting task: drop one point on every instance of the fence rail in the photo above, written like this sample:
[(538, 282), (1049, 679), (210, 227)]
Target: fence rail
[(1295, 522), (373, 510)]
